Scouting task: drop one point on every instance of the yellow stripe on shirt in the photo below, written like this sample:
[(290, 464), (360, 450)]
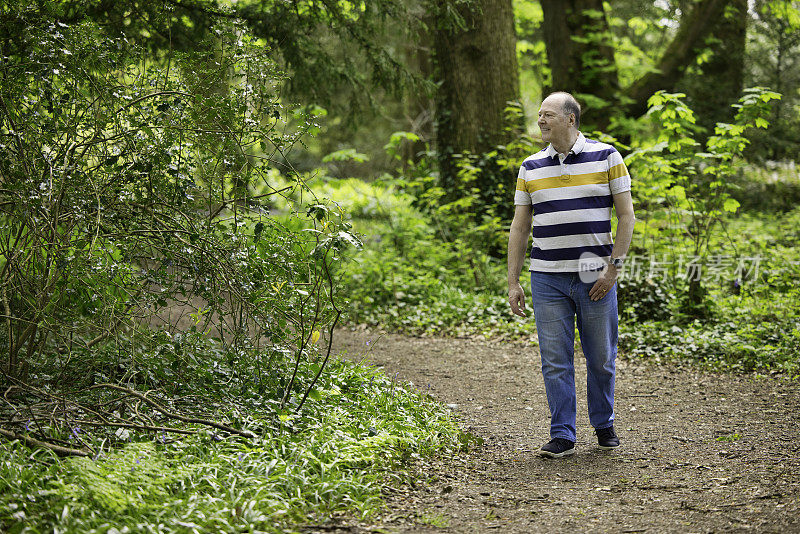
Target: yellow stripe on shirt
[(565, 181), (617, 171)]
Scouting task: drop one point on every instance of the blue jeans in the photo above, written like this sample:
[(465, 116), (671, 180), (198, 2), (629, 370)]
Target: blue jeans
[(557, 299)]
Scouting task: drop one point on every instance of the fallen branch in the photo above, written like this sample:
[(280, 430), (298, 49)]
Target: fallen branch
[(172, 415), (33, 443)]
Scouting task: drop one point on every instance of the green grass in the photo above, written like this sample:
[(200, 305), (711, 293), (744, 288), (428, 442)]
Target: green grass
[(434, 519), (729, 437), (446, 310), (358, 432)]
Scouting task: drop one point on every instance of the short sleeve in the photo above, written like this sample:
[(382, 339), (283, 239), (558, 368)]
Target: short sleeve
[(618, 178), (521, 195)]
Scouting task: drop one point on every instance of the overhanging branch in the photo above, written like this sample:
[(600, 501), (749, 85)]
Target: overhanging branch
[(683, 49)]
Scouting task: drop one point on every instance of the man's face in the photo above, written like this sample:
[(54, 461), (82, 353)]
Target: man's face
[(553, 122)]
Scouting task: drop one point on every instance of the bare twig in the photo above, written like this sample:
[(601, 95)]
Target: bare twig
[(330, 335), (303, 341), (137, 427), (172, 415)]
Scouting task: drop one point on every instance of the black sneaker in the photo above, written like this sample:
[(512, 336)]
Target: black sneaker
[(557, 447), (607, 438)]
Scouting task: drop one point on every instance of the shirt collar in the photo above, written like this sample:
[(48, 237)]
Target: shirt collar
[(577, 148)]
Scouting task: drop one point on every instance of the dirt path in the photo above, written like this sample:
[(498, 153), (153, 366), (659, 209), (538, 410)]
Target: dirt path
[(700, 452)]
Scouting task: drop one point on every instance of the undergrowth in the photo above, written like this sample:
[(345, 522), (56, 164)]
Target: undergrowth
[(358, 431), (409, 279), (755, 325), (755, 332)]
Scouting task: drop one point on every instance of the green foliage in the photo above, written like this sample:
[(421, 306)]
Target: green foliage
[(123, 482), (130, 190), (333, 51), (356, 434), (753, 340), (756, 323), (639, 31), (409, 277), (428, 298), (472, 209), (773, 43), (596, 65), (773, 187), (347, 154), (134, 228), (685, 192), (531, 51), (642, 299)]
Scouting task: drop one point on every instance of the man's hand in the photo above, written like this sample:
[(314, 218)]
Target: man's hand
[(604, 283), (516, 297)]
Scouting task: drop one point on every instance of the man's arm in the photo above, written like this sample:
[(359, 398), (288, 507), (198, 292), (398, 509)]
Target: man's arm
[(517, 246), (623, 205)]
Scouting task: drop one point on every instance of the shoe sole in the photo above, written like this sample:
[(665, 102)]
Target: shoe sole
[(549, 454), (607, 447)]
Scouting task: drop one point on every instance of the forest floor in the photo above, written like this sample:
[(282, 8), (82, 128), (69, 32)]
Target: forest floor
[(700, 452)]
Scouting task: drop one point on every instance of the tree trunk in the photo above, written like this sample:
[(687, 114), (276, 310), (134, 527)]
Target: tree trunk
[(419, 106), (580, 57), (719, 84), (477, 71)]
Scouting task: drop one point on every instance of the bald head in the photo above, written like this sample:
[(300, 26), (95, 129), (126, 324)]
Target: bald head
[(559, 116), (568, 105)]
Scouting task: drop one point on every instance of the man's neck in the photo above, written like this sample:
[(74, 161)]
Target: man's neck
[(565, 145)]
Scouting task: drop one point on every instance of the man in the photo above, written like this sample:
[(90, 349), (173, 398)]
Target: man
[(565, 194)]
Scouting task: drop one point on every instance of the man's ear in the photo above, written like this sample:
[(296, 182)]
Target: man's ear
[(572, 119)]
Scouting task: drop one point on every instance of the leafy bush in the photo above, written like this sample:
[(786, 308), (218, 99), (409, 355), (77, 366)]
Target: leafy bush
[(642, 299), (775, 187), (743, 344), (685, 192), (407, 276), (135, 198)]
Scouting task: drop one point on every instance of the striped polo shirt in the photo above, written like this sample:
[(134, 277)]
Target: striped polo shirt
[(572, 201)]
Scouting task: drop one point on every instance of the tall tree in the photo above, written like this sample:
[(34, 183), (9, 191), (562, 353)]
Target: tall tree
[(476, 64), (570, 22), (774, 60), (580, 53), (695, 26), (326, 46)]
